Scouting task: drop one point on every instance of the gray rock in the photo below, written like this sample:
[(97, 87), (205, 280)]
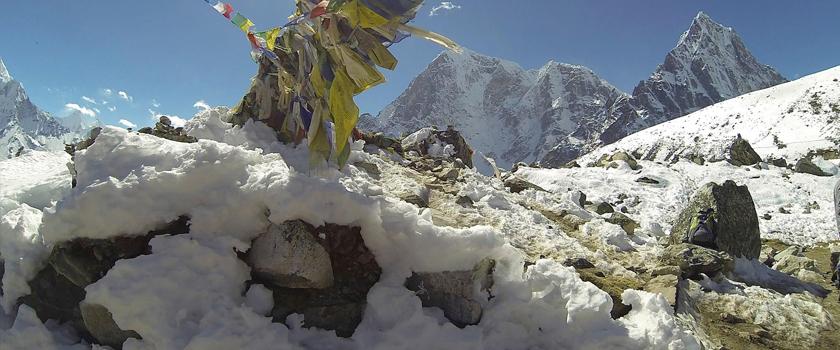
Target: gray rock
[(455, 292), (665, 270), (516, 185), (418, 196), (288, 255), (742, 153), (779, 162), (694, 260), (737, 222), (604, 208), (806, 166), (579, 263), (579, 198), (626, 223), (341, 306), (665, 285), (647, 180), (766, 256), (100, 323)]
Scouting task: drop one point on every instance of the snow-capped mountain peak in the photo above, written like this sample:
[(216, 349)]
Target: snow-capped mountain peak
[(5, 77)]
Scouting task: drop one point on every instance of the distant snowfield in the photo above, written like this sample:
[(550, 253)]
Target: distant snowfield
[(771, 188), (784, 121)]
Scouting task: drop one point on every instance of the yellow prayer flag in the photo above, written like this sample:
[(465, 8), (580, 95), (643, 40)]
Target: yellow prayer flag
[(270, 37), (344, 111), (361, 15)]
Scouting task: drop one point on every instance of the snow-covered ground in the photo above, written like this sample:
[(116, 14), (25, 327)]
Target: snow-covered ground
[(657, 205), (784, 121), (190, 292)]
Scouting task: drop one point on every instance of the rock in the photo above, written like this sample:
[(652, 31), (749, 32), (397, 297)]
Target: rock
[(341, 306), (566, 220), (289, 255), (516, 184), (419, 196), (370, 168), (793, 264), (767, 216), (737, 222), (163, 129), (579, 198), (766, 255), (59, 288), (626, 223), (100, 323), (665, 270), (383, 142), (806, 166), (455, 291), (782, 210), (465, 201), (614, 286), (647, 180), (731, 319), (741, 153), (779, 162), (694, 260), (665, 285), (579, 263), (607, 160), (604, 208), (431, 142), (697, 159)]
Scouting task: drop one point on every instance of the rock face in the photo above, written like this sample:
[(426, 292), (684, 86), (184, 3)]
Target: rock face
[(164, 129), (58, 290), (608, 161), (290, 256), (455, 291), (737, 222), (559, 112), (516, 184), (741, 153), (339, 307)]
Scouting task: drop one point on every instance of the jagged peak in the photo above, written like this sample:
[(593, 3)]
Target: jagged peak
[(703, 28), (5, 77)]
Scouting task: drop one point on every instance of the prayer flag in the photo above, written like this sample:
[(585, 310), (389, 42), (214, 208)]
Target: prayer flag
[(243, 23)]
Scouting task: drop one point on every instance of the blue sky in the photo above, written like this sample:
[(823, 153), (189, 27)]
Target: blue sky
[(167, 54)]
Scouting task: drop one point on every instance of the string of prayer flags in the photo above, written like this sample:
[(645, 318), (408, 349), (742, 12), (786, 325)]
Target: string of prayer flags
[(312, 67)]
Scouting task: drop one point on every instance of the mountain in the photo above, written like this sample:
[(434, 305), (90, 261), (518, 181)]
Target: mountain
[(80, 121), (787, 121), (22, 124), (503, 110), (710, 64), (561, 111)]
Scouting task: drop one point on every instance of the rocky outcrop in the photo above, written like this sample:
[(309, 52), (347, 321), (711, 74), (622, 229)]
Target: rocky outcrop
[(737, 231), (517, 184), (742, 153), (289, 256), (58, 290), (164, 129), (609, 161), (455, 292), (447, 144)]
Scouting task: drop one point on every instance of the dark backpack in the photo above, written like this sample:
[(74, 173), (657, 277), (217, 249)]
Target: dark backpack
[(703, 229)]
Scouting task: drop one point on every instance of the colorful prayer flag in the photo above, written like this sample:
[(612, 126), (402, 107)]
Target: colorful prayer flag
[(223, 9), (270, 37), (243, 23)]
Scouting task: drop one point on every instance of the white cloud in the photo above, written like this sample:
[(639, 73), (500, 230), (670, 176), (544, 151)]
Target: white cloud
[(444, 6), (83, 110), (127, 124), (201, 105), (155, 103), (89, 100), (124, 95), (107, 92), (97, 111), (112, 108)]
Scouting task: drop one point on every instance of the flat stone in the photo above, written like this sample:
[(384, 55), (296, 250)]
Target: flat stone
[(100, 323), (626, 223), (454, 292), (694, 260), (665, 285), (516, 184)]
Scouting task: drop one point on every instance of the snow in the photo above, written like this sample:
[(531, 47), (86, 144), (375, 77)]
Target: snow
[(655, 207), (260, 299), (190, 292), (29, 333), (23, 251), (778, 122), (36, 178)]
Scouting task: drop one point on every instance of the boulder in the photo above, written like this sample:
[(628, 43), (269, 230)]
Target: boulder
[(806, 166), (579, 263), (607, 160), (737, 222), (779, 162), (647, 180), (289, 255), (665, 285), (665, 270), (742, 153), (626, 223), (792, 262), (100, 323), (516, 185), (694, 260), (455, 292), (164, 129), (604, 208), (341, 306)]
